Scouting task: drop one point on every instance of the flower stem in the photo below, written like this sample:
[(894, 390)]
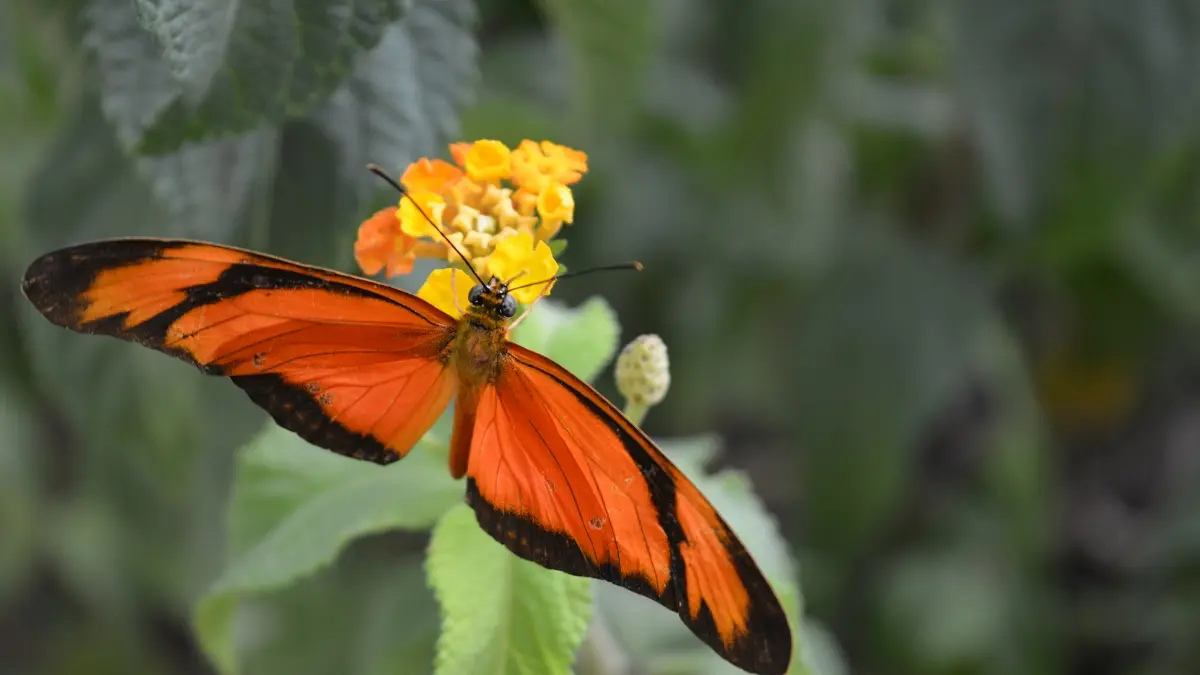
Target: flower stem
[(636, 412)]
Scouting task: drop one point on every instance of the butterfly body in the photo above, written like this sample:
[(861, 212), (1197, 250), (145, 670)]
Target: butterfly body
[(554, 471), (479, 347)]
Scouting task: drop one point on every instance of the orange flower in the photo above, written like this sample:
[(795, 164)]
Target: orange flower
[(495, 211), (426, 175), (534, 165), (382, 245), (459, 152)]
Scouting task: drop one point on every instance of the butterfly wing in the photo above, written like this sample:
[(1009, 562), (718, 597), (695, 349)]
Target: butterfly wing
[(350, 365), (558, 475)]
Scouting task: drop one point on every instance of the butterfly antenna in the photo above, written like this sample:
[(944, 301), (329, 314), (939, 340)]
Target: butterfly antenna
[(378, 171), (633, 265)]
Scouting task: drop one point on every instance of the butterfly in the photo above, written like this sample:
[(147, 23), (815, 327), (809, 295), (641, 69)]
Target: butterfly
[(554, 471)]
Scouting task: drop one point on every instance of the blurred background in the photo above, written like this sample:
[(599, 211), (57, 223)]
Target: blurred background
[(931, 267)]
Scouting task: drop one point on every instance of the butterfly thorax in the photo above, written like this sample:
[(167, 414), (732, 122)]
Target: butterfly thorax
[(481, 339)]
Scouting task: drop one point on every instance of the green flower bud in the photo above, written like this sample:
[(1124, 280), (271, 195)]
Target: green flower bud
[(643, 371)]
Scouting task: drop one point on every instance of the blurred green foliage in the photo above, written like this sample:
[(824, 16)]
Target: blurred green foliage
[(929, 267)]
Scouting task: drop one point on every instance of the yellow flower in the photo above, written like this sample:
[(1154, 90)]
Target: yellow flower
[(413, 222), (518, 260), (464, 214), (556, 205), (445, 287), (536, 165), (486, 161)]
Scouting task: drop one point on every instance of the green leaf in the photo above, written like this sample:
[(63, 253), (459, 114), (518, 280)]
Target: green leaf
[(387, 619), (404, 98), (295, 507), (255, 62), (823, 656), (309, 214), (501, 614), (204, 186), (611, 44), (190, 37), (583, 340)]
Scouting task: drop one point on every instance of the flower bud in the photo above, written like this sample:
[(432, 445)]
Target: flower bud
[(643, 372)]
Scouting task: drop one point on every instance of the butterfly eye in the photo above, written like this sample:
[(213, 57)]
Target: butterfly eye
[(508, 308), (475, 297)]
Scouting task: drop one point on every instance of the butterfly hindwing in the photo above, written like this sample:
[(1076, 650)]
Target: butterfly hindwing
[(561, 478), (350, 365)]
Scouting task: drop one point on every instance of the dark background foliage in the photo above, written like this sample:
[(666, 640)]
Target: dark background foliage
[(930, 266)]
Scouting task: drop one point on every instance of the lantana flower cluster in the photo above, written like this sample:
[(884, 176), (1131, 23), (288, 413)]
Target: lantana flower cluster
[(500, 207)]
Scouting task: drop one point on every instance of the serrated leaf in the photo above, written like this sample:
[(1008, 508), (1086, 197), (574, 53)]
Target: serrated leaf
[(191, 36), (387, 620), (583, 339), (611, 43), (501, 615), (295, 507), (277, 59), (204, 186), (404, 98)]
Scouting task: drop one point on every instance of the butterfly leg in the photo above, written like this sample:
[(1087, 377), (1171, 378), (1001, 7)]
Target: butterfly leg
[(516, 322), (521, 318)]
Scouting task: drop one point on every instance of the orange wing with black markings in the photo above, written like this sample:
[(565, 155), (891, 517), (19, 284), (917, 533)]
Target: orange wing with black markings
[(558, 475), (555, 472), (351, 365)]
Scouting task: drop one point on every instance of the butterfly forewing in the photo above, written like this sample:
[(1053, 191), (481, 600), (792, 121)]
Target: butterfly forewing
[(353, 366)]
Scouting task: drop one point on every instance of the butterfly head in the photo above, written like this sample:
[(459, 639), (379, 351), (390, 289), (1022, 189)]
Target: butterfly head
[(493, 299)]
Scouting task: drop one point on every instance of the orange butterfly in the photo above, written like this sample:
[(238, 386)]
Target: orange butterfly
[(554, 471)]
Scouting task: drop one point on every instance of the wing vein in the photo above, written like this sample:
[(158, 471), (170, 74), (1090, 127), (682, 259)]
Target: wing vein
[(595, 484), (574, 498)]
